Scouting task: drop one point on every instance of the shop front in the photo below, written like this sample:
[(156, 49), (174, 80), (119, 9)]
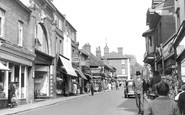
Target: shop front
[(67, 74), (179, 46), (16, 67), (43, 78), (81, 80)]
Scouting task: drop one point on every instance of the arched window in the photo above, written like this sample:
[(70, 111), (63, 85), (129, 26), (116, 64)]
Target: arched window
[(41, 39)]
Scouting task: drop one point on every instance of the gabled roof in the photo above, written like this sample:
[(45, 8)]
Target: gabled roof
[(114, 55), (93, 60)]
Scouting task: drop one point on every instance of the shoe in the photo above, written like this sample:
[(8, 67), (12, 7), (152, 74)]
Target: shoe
[(139, 112), (142, 113)]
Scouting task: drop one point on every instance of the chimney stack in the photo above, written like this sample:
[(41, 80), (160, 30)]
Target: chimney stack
[(98, 52), (87, 47), (120, 50)]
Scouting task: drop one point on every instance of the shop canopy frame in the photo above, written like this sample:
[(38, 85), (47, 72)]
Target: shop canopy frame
[(3, 67), (68, 66)]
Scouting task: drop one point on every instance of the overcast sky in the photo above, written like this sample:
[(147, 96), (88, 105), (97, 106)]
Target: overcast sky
[(119, 23)]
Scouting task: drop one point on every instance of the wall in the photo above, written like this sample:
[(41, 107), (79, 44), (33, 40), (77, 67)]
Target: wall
[(13, 13)]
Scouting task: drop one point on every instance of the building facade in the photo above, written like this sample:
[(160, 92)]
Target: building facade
[(37, 50), (119, 61), (16, 49), (159, 52)]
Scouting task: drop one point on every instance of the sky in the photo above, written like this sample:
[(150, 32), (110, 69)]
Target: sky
[(119, 23)]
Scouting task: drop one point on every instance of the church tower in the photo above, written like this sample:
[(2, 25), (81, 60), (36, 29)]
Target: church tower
[(106, 49)]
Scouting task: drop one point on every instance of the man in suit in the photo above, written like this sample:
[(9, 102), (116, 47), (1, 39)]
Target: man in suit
[(181, 100), (138, 89), (162, 105)]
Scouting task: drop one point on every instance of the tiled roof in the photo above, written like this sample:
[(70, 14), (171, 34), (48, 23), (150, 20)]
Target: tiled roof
[(94, 61)]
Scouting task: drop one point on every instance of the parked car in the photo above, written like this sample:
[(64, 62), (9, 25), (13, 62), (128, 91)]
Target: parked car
[(128, 90)]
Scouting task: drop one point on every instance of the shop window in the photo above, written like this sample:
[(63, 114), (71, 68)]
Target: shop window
[(22, 76), (2, 73), (16, 73)]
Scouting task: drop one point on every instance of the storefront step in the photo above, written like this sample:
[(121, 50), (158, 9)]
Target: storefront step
[(3, 103), (43, 97)]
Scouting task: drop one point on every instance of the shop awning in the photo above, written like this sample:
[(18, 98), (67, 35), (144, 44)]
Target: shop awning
[(68, 66), (80, 73), (3, 67)]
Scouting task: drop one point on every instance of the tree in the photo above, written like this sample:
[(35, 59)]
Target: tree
[(134, 65)]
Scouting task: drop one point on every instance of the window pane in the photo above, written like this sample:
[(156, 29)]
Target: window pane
[(20, 41)]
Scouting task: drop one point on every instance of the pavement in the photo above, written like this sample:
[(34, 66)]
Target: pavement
[(45, 103), (36, 105)]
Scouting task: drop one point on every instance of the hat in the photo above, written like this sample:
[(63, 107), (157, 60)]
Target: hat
[(138, 73)]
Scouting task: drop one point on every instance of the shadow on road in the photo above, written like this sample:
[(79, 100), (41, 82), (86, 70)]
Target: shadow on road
[(128, 105)]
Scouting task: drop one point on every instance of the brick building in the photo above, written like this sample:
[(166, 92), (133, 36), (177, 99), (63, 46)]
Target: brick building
[(119, 61), (17, 52), (158, 41)]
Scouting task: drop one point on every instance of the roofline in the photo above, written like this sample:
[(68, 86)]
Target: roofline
[(23, 6)]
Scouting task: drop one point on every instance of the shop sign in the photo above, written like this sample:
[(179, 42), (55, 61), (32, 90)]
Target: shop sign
[(76, 59), (84, 63), (95, 71)]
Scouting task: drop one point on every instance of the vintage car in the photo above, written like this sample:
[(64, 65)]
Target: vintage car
[(128, 90)]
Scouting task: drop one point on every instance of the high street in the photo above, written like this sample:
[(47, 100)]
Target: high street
[(103, 103)]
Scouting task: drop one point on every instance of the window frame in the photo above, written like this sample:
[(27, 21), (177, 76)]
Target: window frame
[(2, 16), (20, 33)]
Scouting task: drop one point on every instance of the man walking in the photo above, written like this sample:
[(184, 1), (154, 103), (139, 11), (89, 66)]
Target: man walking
[(138, 89), (92, 88), (181, 100)]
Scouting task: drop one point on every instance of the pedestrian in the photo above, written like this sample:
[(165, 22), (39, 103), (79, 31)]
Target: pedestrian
[(162, 105), (154, 80), (181, 91), (88, 87), (181, 101), (138, 90), (92, 88), (116, 85), (109, 86), (11, 92), (2, 94), (75, 88)]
